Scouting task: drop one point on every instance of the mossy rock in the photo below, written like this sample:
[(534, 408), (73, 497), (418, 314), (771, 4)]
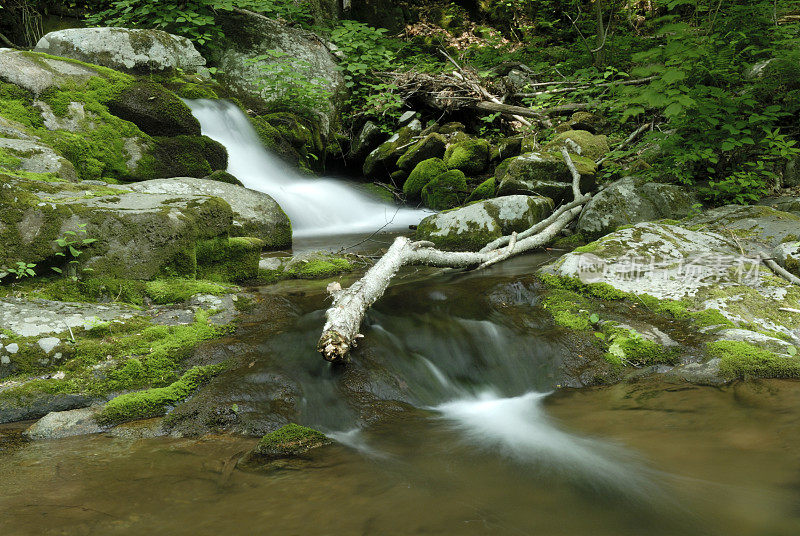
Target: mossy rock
[(317, 266), (544, 171), (382, 161), (182, 156), (422, 174), (431, 146), (587, 121), (472, 227), (154, 109), (289, 441), (294, 139), (505, 149), (447, 190), (484, 190), (470, 156), (229, 259), (591, 146)]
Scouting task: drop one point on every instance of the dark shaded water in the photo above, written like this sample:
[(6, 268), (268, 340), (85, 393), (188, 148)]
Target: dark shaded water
[(445, 426)]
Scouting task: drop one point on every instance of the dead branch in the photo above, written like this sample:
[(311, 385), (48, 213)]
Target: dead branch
[(630, 139), (7, 41), (781, 272), (634, 82), (341, 331)]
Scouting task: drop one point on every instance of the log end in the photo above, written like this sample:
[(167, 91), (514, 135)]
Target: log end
[(333, 346)]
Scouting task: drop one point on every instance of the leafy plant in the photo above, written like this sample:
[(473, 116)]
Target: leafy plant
[(71, 244), (290, 82), (23, 269)]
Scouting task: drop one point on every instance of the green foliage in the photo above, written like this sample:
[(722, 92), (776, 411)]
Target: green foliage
[(23, 269), (290, 82), (368, 52), (71, 245)]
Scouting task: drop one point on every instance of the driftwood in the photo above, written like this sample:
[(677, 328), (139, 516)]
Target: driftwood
[(341, 331)]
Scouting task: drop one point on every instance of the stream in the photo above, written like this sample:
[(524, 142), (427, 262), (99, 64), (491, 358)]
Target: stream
[(456, 416)]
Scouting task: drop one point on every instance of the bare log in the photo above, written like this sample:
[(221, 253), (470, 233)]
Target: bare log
[(343, 319), (780, 271)]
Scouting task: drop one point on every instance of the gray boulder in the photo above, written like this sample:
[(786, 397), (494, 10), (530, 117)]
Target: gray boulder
[(631, 200), (59, 424), (254, 213), (784, 203), (251, 37), (126, 49), (472, 227), (543, 173), (137, 235)]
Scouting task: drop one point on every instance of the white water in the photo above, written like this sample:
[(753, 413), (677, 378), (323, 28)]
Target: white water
[(316, 206), (519, 428)]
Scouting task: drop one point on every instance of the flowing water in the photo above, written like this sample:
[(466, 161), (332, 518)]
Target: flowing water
[(316, 206), (451, 419)]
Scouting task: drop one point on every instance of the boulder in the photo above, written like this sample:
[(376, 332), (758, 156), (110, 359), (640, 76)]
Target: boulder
[(367, 140), (707, 274), (292, 137), (783, 203), (587, 121), (431, 146), (484, 190), (138, 235), (470, 156), (472, 227), (37, 74), (631, 200), (154, 109), (249, 38), (445, 191), (129, 50), (583, 143), (289, 441), (382, 161), (59, 424), (255, 213), (422, 174), (788, 256), (542, 173)]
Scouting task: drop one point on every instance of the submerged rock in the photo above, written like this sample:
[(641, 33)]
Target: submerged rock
[(255, 213), (130, 50), (59, 424), (631, 200), (472, 227), (289, 441)]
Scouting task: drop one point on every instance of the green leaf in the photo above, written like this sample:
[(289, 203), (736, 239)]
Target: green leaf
[(74, 251), (57, 270), (594, 318), (792, 350)]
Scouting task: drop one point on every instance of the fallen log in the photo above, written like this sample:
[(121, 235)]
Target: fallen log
[(508, 109), (341, 331)]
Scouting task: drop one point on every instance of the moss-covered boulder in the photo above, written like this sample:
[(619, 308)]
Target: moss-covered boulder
[(445, 191), (136, 235), (229, 259), (470, 156), (431, 146), (249, 38), (472, 227), (784, 203), (254, 213), (154, 109), (587, 121), (629, 201), (505, 148), (542, 173), (223, 176), (129, 50), (422, 174), (181, 156), (588, 145), (295, 139), (289, 441), (484, 190), (705, 272), (382, 161)]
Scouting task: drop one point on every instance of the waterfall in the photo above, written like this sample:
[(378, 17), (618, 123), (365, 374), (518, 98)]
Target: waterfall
[(316, 206)]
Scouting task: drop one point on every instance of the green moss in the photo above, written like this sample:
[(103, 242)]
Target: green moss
[(470, 156), (568, 308), (447, 190), (229, 259), (190, 90), (421, 175), (154, 109), (744, 360), (484, 190), (164, 291), (182, 156), (320, 268), (155, 401), (223, 176), (628, 347), (290, 440)]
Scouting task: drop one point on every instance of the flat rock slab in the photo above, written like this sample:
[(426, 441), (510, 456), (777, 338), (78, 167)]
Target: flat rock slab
[(38, 74), (32, 318)]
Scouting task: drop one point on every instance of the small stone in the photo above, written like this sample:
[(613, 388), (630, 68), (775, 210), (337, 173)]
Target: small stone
[(59, 375), (406, 117), (47, 344), (12, 348), (5, 360)]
